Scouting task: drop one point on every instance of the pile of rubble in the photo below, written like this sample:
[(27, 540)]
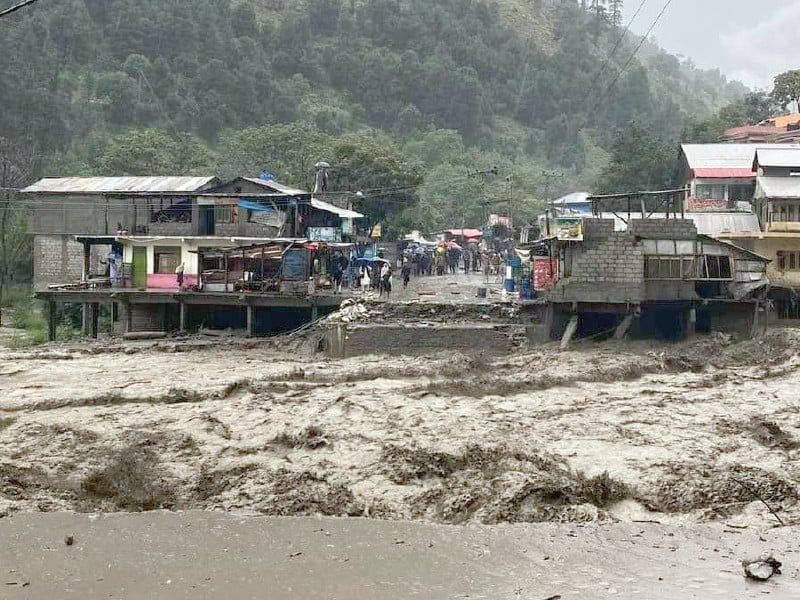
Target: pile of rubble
[(350, 311)]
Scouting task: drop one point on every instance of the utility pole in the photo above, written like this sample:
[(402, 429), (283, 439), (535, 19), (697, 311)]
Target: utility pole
[(482, 176), (550, 176)]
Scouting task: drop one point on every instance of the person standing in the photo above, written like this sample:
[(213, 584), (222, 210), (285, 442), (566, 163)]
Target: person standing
[(179, 275), (365, 280), (466, 262)]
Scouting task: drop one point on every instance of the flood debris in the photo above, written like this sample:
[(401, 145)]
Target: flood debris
[(761, 569)]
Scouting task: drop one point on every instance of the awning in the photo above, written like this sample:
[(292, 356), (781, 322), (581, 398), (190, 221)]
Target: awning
[(342, 212), (255, 206), (724, 173)]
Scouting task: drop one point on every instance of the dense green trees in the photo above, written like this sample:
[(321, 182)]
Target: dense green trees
[(787, 89), (394, 93)]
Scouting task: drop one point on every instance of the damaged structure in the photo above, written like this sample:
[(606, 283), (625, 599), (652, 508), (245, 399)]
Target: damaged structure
[(659, 278), (166, 253)]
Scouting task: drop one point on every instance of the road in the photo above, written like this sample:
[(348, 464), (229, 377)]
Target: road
[(199, 555)]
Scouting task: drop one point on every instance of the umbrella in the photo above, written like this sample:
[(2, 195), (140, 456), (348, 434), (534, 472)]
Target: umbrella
[(453, 246), (372, 259)]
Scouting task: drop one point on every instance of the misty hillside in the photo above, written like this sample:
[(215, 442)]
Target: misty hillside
[(444, 86)]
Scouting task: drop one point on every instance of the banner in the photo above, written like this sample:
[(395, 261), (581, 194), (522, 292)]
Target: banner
[(545, 273), (568, 229)]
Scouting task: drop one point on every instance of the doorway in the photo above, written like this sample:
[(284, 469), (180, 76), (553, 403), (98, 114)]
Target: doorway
[(207, 221), (139, 267)]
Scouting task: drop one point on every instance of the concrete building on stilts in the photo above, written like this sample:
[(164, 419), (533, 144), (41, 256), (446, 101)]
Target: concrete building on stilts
[(658, 278)]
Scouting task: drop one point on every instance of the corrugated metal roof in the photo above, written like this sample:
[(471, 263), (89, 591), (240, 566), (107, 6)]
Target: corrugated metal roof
[(714, 224), (274, 185), (720, 156), (573, 198), (778, 187), (103, 185), (778, 157), (342, 212)]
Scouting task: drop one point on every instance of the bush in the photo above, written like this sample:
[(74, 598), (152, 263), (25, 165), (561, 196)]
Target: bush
[(29, 318)]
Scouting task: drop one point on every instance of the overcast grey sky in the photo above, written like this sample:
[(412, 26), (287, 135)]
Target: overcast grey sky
[(748, 40)]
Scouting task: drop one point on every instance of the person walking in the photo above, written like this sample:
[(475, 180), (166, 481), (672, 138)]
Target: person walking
[(386, 280), (365, 280), (406, 274)]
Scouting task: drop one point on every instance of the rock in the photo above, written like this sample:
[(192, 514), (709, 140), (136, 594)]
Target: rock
[(761, 569)]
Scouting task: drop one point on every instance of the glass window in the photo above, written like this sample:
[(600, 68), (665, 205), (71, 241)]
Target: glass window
[(167, 259), (781, 260)]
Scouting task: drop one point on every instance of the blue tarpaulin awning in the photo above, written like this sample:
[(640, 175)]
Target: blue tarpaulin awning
[(255, 206)]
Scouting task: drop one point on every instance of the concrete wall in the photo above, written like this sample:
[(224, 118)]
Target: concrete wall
[(610, 269), (397, 339), (58, 259), (674, 229), (78, 214), (769, 247), (148, 317)]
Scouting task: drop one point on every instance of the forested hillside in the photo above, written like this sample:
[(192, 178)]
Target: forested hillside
[(396, 94)]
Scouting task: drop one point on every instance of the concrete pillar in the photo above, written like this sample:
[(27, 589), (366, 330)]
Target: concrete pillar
[(95, 319), (335, 338), (183, 315), (572, 327), (691, 323), (250, 320), (51, 320), (86, 318), (87, 255), (623, 328), (127, 317), (547, 322)]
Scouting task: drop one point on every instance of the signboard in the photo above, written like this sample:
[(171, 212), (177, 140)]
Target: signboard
[(545, 272), (324, 234), (568, 229)]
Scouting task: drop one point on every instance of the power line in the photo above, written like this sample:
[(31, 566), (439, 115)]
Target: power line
[(16, 7), (603, 96), (614, 49)]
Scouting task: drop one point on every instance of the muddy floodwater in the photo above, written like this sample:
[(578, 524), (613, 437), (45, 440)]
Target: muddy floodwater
[(703, 431), (641, 469)]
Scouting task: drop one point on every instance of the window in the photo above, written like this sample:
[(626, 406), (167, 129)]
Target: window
[(225, 213), (788, 261), (716, 267), (786, 212), (166, 259), (741, 192), (711, 191), (670, 267)]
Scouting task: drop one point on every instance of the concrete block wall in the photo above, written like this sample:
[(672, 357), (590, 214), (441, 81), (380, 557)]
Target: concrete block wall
[(399, 340), (58, 259), (147, 317), (170, 229), (667, 229), (608, 270), (597, 229)]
